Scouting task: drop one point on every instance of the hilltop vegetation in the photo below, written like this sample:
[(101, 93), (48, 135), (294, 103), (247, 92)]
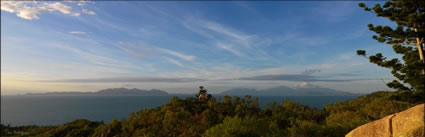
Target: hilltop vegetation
[(235, 117)]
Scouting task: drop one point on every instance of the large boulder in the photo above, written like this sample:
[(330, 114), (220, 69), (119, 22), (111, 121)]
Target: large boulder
[(408, 123)]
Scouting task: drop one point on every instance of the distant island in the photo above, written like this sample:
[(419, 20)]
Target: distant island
[(287, 91), (276, 91), (107, 92)]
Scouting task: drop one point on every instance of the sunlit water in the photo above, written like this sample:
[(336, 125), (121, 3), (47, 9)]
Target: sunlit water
[(53, 110)]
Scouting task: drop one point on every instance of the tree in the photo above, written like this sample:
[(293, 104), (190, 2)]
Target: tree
[(243, 127), (407, 39)]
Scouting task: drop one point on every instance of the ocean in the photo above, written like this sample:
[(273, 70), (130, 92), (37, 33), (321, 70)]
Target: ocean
[(54, 110)]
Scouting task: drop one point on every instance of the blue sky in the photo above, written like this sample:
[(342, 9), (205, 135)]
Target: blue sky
[(177, 46)]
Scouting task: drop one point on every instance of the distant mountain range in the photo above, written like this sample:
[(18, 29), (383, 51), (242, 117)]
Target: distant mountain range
[(287, 91), (277, 91), (108, 92)]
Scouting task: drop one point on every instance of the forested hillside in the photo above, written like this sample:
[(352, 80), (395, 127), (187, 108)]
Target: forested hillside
[(236, 117)]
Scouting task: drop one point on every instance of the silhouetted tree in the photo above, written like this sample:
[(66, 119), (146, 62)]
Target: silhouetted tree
[(407, 39)]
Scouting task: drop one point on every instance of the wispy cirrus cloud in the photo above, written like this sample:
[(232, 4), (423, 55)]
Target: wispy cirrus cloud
[(174, 61), (177, 54), (30, 10), (143, 50), (217, 32), (77, 32), (242, 38), (93, 57), (172, 40), (230, 49), (227, 38)]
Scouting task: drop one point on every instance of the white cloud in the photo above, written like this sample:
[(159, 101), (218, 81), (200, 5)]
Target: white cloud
[(76, 14), (218, 32), (29, 13), (78, 32), (250, 46), (10, 6), (60, 7), (174, 61), (143, 49), (178, 54), (131, 51), (229, 71), (230, 49), (306, 85), (21, 9), (92, 57), (30, 10), (81, 3), (244, 39), (85, 11)]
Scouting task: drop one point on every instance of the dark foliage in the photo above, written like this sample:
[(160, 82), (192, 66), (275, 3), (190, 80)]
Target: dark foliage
[(407, 39), (235, 117)]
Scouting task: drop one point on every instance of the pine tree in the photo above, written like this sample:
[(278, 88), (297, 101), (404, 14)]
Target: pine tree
[(407, 39)]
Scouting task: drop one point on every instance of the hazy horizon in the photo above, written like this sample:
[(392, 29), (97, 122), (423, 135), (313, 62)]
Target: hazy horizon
[(178, 46)]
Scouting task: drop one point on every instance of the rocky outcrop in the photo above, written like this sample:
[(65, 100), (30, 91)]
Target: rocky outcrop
[(408, 123)]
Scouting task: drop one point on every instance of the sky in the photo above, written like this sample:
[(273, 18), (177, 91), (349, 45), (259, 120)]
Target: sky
[(178, 46)]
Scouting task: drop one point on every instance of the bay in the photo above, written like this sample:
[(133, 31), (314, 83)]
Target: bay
[(54, 110)]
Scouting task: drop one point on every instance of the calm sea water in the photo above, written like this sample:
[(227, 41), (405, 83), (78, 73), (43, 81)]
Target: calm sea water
[(54, 110)]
